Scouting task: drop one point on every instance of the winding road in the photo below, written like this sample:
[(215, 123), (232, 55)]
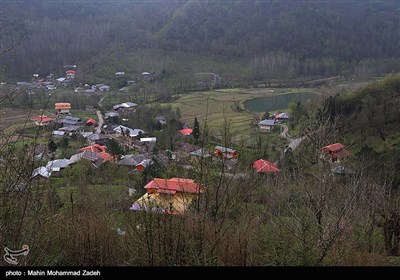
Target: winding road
[(293, 142)]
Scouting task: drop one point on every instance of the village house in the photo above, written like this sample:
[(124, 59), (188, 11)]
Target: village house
[(70, 129), (126, 131), (146, 76), (58, 134), (55, 166), (70, 74), (133, 160), (43, 120), (266, 125), (62, 108), (98, 138), (334, 152), (104, 88), (100, 150), (144, 164), (119, 74), (68, 120), (172, 196), (41, 172), (137, 162), (148, 139), (60, 80), (94, 158), (264, 166), (141, 147), (96, 148), (186, 131), (281, 117), (91, 121), (225, 152), (85, 134), (52, 168), (124, 106)]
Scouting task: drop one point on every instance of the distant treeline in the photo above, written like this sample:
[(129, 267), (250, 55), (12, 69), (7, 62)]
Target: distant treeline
[(275, 39)]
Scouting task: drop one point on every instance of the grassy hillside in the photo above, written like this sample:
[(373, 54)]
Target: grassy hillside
[(367, 120)]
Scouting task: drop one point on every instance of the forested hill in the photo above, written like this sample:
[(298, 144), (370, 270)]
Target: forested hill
[(370, 122), (338, 33), (341, 29)]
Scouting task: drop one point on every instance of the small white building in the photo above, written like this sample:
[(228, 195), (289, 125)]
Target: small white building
[(148, 139), (125, 105), (119, 74)]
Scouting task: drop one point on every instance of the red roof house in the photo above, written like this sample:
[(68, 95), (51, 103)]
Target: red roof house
[(264, 166), (99, 150), (186, 131), (334, 152), (168, 195), (42, 120), (143, 164), (282, 116), (225, 152), (91, 121), (106, 156), (62, 107), (173, 185), (96, 148), (70, 74)]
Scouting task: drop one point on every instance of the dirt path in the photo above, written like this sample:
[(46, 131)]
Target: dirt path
[(101, 121), (293, 142)]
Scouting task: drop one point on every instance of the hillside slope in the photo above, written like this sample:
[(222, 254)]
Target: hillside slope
[(277, 39)]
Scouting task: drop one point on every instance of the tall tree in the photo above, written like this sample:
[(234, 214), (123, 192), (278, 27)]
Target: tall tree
[(52, 146), (196, 130), (114, 148)]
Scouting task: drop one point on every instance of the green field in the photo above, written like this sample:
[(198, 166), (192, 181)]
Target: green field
[(216, 106)]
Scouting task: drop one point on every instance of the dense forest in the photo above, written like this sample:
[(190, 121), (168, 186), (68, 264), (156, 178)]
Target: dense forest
[(269, 39)]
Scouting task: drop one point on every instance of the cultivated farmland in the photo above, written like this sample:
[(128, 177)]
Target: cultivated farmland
[(216, 106)]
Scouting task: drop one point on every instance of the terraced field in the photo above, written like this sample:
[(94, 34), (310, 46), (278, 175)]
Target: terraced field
[(218, 106), (13, 120)]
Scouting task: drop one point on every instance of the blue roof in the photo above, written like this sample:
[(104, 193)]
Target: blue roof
[(267, 122)]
